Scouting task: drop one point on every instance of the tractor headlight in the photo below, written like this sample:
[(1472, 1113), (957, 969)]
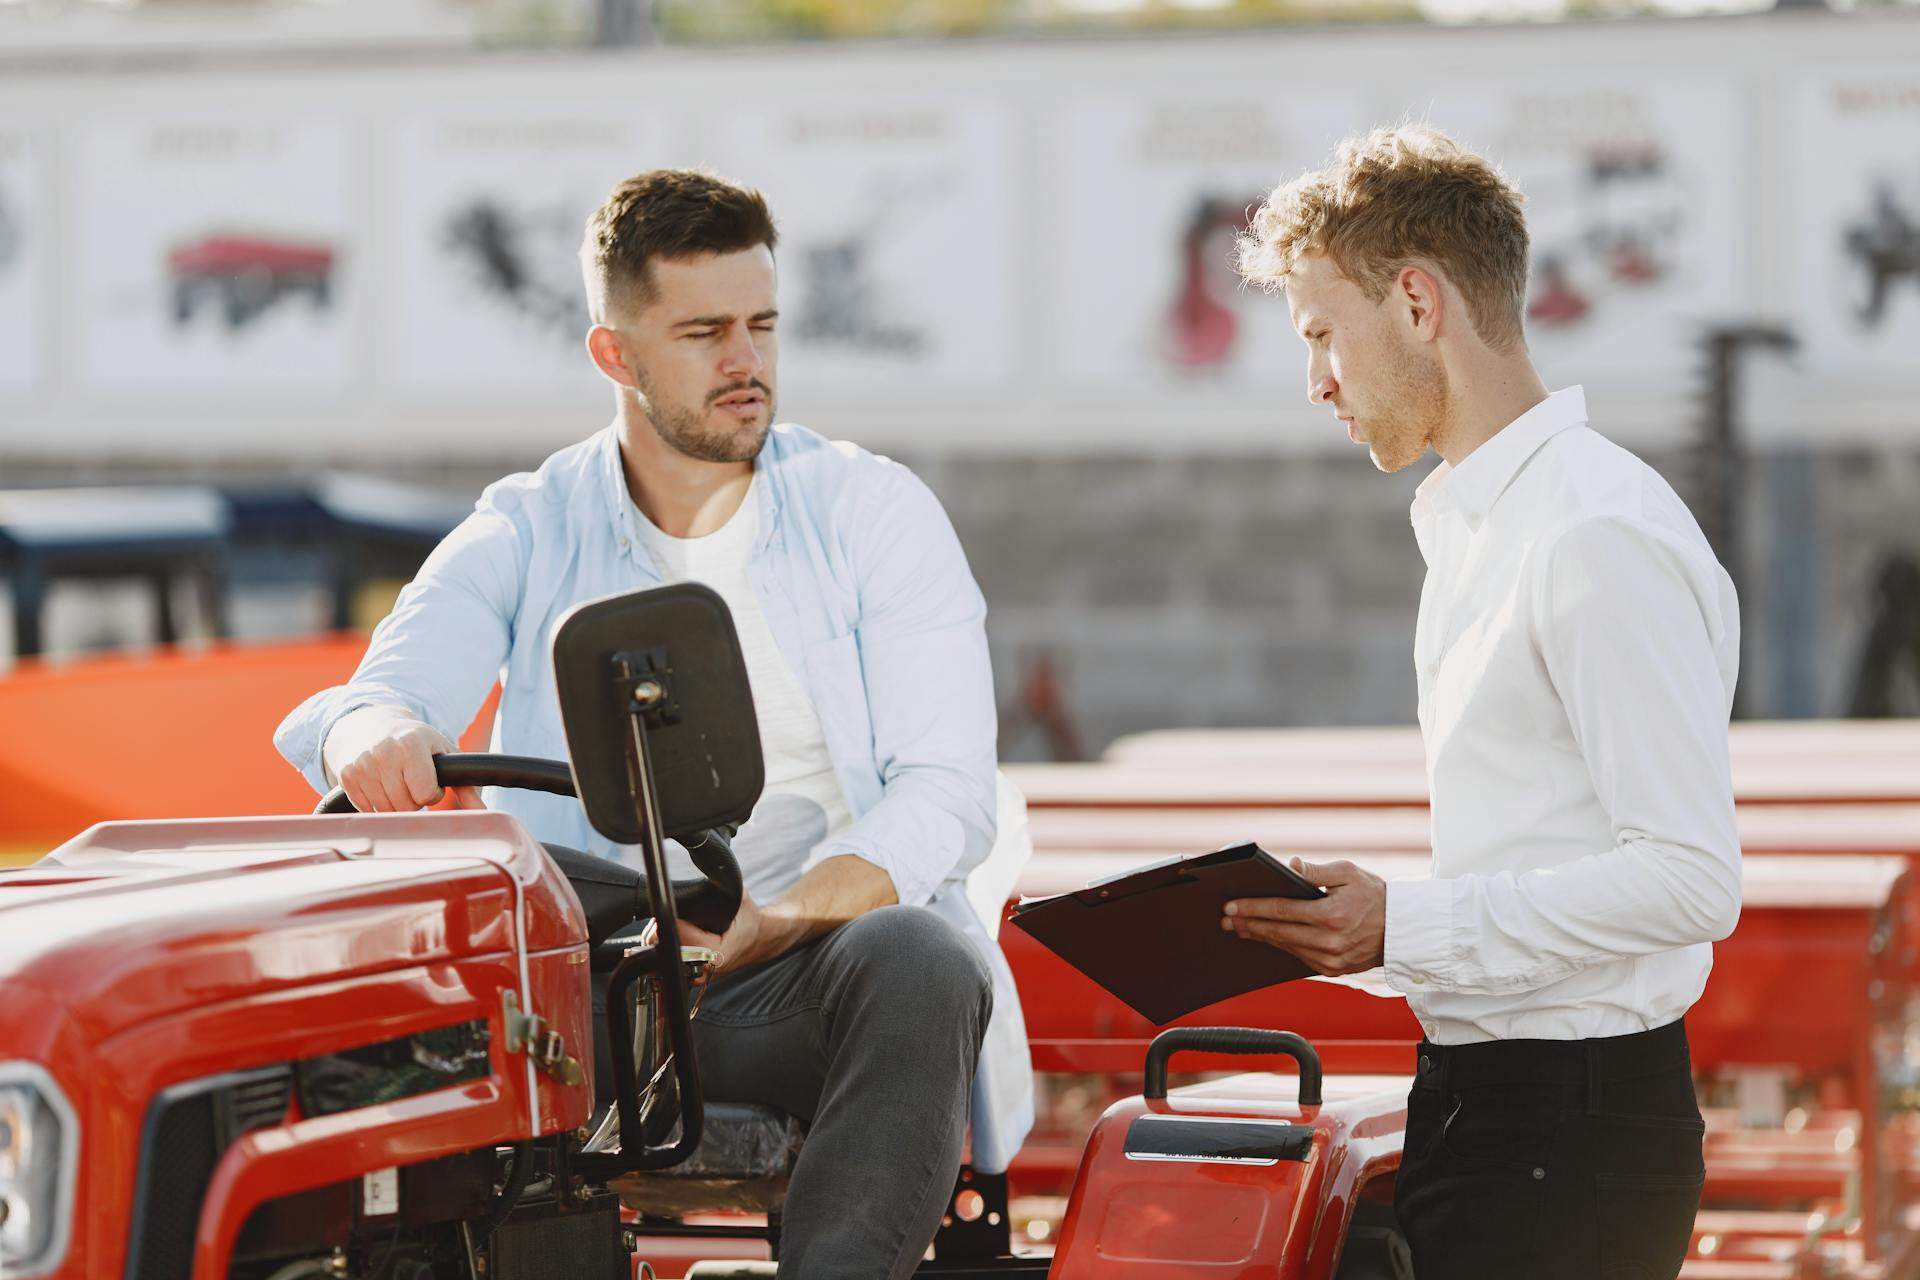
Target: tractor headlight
[(39, 1141)]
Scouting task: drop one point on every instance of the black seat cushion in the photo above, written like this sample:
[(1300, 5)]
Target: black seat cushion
[(610, 893)]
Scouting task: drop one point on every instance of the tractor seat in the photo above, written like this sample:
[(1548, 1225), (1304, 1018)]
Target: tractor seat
[(746, 1151)]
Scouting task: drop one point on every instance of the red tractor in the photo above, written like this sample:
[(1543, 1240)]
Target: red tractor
[(363, 1046)]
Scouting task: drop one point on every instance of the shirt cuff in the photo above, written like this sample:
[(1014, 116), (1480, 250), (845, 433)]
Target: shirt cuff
[(911, 888), (302, 736), (1419, 942), (1372, 981)]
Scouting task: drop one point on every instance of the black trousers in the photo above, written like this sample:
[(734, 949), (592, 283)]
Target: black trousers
[(1552, 1159)]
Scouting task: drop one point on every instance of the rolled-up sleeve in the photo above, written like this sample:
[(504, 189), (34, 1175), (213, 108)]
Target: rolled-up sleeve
[(1628, 628), (440, 650), (922, 649)]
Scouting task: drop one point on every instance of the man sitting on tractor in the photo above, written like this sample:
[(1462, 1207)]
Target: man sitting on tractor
[(856, 984)]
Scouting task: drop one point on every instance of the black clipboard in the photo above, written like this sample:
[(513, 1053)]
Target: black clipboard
[(1153, 938)]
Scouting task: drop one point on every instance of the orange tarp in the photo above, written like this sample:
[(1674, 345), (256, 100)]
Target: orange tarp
[(173, 735)]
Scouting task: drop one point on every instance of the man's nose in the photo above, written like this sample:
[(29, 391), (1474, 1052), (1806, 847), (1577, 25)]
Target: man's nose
[(742, 356), (1320, 388)]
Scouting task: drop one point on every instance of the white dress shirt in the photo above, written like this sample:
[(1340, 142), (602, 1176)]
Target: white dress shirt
[(1576, 651)]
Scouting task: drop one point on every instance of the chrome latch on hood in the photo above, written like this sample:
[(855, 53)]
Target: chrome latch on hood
[(529, 1033)]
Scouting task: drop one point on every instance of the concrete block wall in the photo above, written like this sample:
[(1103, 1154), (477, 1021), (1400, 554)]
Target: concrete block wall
[(1262, 589), (1220, 590), (1233, 589)]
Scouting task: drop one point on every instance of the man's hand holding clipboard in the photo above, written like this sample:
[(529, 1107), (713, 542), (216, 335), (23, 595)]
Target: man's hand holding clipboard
[(1343, 932), (1154, 937)]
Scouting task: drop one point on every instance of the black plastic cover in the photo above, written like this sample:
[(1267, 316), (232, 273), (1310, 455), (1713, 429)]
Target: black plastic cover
[(1217, 1140), (704, 741)]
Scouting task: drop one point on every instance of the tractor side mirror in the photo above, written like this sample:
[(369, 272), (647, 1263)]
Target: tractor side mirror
[(663, 742), (670, 658)]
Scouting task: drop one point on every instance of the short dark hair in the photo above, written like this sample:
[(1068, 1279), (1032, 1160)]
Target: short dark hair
[(665, 213)]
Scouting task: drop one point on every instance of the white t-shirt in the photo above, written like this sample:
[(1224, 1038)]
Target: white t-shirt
[(802, 805)]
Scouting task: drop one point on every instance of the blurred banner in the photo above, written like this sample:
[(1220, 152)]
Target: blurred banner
[(488, 208), (1858, 265), (22, 235), (987, 246), (215, 253), (1155, 187), (1633, 206), (897, 244)]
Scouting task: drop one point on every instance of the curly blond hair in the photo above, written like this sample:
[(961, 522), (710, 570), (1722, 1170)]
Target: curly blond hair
[(1399, 195)]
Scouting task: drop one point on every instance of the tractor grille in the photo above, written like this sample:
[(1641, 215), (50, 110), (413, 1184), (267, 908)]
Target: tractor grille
[(256, 1102), (189, 1127), (540, 1243)]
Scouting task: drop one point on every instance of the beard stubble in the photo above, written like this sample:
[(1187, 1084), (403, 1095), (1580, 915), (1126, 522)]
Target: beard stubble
[(685, 430), (1415, 408)]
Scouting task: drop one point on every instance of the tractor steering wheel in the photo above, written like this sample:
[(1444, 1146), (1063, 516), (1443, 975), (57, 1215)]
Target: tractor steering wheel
[(709, 900)]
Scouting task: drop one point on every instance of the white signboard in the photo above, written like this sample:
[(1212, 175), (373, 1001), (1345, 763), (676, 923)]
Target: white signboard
[(215, 254), (485, 292), (1633, 206), (22, 236), (1152, 198), (896, 252), (1856, 227)]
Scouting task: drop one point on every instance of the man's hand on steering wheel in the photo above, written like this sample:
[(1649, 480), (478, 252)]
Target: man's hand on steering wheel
[(383, 758)]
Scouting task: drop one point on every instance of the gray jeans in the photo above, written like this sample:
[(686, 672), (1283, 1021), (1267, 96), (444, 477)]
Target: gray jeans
[(868, 1036)]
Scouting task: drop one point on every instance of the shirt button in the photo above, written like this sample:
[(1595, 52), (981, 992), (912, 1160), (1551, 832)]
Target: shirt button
[(1419, 981)]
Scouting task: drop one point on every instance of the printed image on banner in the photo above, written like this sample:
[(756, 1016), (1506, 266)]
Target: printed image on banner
[(1632, 207), (485, 290), (1155, 195), (215, 254), (1857, 229), (22, 235), (895, 249)]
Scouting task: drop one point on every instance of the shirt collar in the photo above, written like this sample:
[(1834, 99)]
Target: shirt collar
[(613, 481), (765, 474), (1477, 483), (620, 502)]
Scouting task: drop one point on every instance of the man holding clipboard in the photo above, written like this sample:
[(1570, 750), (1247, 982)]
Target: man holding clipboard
[(1576, 651)]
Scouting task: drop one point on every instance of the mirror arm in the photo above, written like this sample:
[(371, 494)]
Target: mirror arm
[(662, 959)]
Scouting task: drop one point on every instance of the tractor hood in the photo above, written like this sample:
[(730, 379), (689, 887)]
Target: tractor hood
[(133, 921)]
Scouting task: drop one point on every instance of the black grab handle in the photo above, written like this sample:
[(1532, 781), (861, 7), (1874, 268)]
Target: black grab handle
[(712, 898), (480, 769), (1232, 1040)]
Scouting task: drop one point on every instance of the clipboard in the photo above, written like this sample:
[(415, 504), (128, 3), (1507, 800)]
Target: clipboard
[(1152, 936)]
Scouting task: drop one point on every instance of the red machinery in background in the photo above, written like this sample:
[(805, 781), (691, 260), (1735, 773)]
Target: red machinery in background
[(295, 940), (1807, 1040)]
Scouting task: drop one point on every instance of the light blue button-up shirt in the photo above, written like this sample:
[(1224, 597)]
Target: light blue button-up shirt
[(869, 597)]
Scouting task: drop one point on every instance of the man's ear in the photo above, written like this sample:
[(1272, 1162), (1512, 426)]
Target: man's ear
[(603, 344), (1417, 291)]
